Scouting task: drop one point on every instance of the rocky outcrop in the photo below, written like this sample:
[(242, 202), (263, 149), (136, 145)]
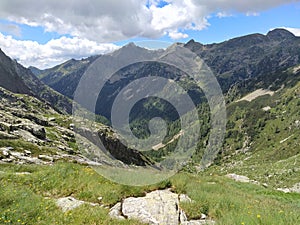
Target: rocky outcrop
[(114, 146), (159, 207), (294, 189), (70, 203)]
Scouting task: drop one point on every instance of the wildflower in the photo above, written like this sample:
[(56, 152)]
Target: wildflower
[(258, 216)]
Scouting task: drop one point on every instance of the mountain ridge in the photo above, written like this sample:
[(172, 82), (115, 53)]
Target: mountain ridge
[(16, 78)]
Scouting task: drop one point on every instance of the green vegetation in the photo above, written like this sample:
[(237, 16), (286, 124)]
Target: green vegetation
[(29, 199)]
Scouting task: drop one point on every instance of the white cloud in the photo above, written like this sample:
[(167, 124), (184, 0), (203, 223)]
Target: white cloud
[(10, 29), (31, 53), (295, 31), (114, 20), (223, 14), (92, 22), (177, 35)]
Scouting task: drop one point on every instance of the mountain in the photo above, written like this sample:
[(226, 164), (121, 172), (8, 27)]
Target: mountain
[(231, 61), (64, 78), (16, 78), (33, 132), (249, 56)]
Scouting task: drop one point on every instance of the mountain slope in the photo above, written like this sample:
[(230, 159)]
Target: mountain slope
[(241, 58), (64, 78), (231, 61), (16, 78)]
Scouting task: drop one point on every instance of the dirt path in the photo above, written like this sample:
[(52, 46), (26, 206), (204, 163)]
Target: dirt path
[(255, 94), (161, 145)]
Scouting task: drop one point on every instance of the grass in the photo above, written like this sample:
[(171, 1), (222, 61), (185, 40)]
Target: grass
[(29, 199)]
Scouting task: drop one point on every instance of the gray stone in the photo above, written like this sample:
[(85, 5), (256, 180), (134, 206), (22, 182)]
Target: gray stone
[(265, 185), (27, 152), (46, 157), (157, 207), (39, 131), (70, 203), (296, 188), (182, 216), (4, 135), (22, 173), (184, 198), (203, 216), (115, 211), (285, 190), (199, 222), (239, 178), (9, 160)]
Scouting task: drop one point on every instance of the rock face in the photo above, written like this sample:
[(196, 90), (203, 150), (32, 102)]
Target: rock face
[(159, 207)]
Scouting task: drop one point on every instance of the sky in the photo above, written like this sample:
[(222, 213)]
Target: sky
[(45, 33)]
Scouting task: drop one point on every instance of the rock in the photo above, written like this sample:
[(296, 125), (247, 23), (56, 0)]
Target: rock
[(46, 157), (27, 152), (52, 119), (265, 185), (157, 207), (116, 211), (4, 135), (5, 152), (199, 222), (22, 173), (184, 198), (71, 126), (203, 216), (285, 190), (38, 131), (70, 203), (238, 178), (296, 188), (182, 216), (9, 160)]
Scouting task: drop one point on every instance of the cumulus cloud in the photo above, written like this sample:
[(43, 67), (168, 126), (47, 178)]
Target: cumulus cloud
[(114, 20), (92, 22), (31, 53)]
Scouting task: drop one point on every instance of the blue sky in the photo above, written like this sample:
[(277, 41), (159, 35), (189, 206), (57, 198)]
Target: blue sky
[(47, 33)]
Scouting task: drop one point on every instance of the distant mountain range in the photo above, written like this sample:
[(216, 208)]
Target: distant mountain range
[(256, 63), (231, 61)]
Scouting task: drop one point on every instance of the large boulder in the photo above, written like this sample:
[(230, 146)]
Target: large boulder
[(157, 207)]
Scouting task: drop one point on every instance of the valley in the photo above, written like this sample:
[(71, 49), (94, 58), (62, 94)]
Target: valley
[(48, 153)]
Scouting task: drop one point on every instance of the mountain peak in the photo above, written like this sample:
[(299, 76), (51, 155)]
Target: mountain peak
[(280, 34), (131, 45)]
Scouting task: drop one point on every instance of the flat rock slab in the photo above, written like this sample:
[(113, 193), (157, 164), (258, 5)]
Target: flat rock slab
[(70, 203), (239, 178), (157, 207)]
